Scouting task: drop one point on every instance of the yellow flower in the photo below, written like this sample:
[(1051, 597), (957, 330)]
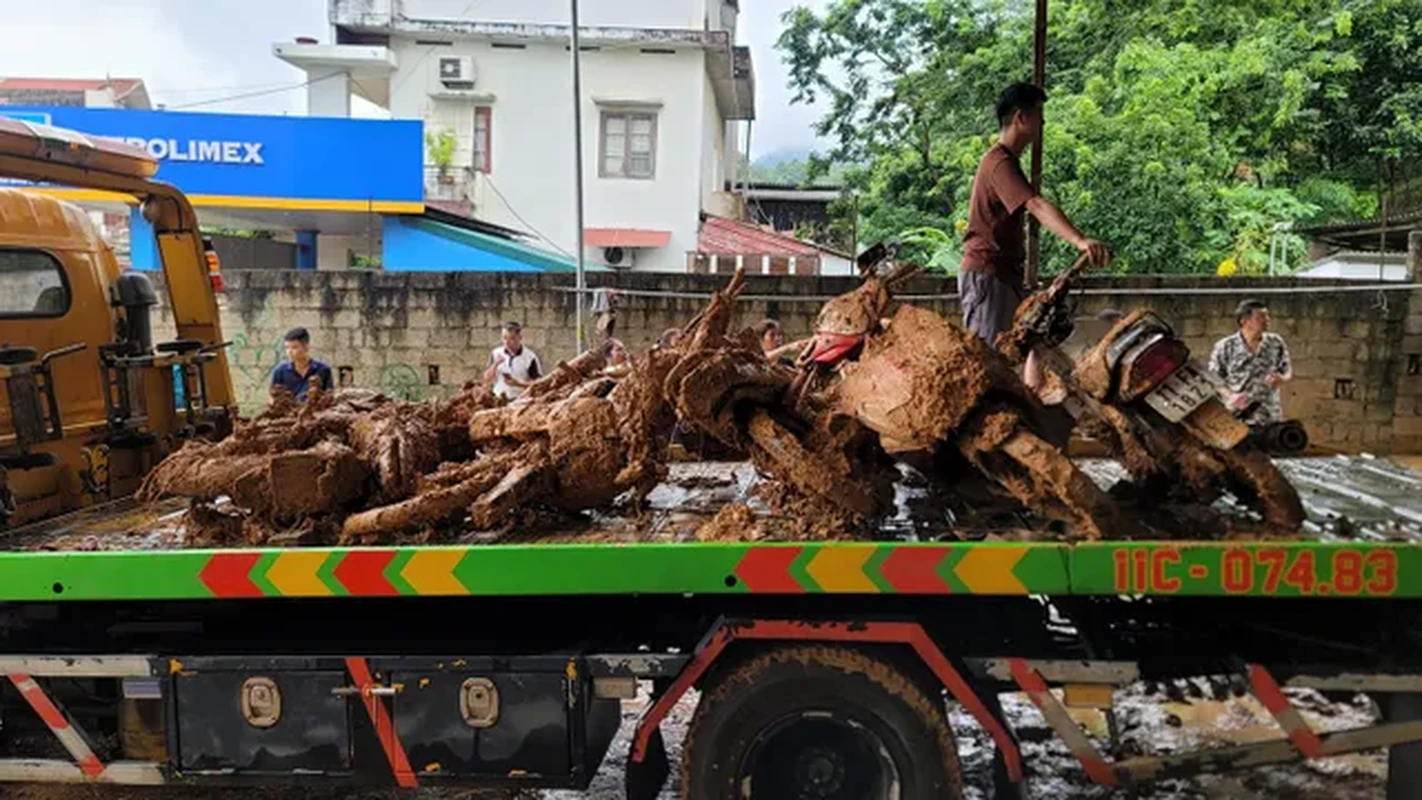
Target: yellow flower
[(960, 225), (1227, 268)]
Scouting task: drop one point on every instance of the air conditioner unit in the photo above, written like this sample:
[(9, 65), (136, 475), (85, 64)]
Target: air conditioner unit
[(455, 72), (619, 257)]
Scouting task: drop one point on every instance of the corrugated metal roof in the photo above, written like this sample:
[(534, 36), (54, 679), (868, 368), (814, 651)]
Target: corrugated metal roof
[(721, 236), (121, 86)]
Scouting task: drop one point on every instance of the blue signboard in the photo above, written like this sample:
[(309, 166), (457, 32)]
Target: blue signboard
[(250, 156)]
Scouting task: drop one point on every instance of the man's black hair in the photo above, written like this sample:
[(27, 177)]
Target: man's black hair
[(1022, 97), (513, 326), (297, 335), (1246, 309), (766, 326)]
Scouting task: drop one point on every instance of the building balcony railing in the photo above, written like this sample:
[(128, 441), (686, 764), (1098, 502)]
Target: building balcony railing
[(755, 263), (452, 184)]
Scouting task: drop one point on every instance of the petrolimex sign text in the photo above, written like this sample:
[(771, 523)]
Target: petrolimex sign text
[(211, 151)]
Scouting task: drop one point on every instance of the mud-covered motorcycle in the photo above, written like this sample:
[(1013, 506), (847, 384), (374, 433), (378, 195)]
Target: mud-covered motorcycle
[(1138, 391)]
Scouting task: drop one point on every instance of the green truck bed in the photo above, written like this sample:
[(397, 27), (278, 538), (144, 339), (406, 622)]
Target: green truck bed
[(1364, 539)]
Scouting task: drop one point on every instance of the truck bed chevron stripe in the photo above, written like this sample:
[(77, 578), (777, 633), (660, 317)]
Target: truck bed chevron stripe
[(767, 569), (362, 572), (914, 570), (294, 574), (841, 569), (431, 572), (988, 569), (230, 575)]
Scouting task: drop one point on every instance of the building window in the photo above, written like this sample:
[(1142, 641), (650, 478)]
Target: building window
[(483, 133), (629, 145)]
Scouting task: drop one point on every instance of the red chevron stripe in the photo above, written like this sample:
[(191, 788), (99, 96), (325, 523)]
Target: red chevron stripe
[(227, 575), (914, 570), (767, 569), (362, 572)]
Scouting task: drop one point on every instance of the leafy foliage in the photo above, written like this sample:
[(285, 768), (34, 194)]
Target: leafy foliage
[(441, 144), (1182, 132)]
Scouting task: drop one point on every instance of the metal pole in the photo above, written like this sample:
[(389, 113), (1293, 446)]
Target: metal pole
[(1039, 77), (578, 166)]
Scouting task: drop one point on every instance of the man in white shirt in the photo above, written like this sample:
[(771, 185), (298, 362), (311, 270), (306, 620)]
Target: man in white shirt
[(512, 367)]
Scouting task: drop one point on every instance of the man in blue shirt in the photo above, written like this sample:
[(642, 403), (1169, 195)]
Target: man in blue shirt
[(300, 371)]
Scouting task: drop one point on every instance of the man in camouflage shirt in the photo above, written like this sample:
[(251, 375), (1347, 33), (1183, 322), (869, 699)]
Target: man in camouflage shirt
[(1253, 364)]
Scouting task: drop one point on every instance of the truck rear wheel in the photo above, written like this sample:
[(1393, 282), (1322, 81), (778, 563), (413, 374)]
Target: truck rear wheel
[(819, 722)]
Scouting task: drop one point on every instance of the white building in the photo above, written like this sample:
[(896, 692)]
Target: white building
[(1355, 266), (664, 89)]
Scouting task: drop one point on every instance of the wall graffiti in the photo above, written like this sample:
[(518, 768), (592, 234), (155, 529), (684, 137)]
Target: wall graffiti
[(401, 382), (252, 363)]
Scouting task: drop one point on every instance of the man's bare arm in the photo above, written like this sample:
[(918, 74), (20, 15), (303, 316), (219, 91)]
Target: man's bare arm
[(493, 368), (1055, 221)]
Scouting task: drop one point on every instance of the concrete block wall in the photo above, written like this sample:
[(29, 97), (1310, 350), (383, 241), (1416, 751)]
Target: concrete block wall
[(1350, 349), (1407, 411)]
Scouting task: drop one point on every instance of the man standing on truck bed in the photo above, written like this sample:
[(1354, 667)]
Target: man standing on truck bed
[(991, 281), (300, 371), (512, 367)]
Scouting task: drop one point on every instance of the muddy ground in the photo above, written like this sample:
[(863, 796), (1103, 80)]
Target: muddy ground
[(1146, 725)]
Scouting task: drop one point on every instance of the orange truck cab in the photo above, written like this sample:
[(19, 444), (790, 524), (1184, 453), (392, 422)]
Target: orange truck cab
[(89, 402)]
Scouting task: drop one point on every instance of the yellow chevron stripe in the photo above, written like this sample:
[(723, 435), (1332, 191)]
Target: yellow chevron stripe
[(988, 570), (294, 574), (432, 572), (840, 568)]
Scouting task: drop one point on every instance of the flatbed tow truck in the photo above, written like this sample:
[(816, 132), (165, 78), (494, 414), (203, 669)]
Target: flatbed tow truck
[(825, 668)]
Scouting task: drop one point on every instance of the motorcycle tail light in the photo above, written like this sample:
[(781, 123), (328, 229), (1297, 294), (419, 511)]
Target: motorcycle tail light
[(1150, 365), (831, 348)]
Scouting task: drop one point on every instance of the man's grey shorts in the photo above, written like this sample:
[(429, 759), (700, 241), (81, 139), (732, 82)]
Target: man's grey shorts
[(988, 303)]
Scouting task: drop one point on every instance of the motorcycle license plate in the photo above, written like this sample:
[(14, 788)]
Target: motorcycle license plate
[(1183, 392)]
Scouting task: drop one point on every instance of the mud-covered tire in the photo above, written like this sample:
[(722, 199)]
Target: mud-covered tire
[(782, 708), (801, 468), (1004, 447), (1259, 484)]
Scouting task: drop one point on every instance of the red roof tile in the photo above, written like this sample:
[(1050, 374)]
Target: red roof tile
[(723, 236)]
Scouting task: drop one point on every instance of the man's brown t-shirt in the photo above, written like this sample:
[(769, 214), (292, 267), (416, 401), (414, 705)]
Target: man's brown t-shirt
[(994, 239)]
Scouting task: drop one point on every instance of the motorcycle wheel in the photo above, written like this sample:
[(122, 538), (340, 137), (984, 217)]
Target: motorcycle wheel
[(1043, 478), (804, 470), (1254, 478)]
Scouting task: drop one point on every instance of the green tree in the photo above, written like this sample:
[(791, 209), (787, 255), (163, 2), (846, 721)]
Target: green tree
[(1180, 131)]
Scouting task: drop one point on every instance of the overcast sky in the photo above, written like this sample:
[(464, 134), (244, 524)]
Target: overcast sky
[(193, 52)]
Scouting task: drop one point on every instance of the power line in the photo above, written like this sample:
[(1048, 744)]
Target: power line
[(199, 89), (248, 95), (520, 218)]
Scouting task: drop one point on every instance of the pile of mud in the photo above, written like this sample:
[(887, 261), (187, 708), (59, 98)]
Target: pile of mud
[(360, 468), (883, 390)]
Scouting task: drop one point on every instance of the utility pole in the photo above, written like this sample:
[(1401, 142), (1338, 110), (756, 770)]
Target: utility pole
[(1039, 77), (576, 51)]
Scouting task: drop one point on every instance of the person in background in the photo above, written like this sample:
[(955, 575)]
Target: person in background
[(670, 337), (1253, 363), (604, 311), (991, 280), (619, 363), (512, 367), (772, 341), (300, 372)]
